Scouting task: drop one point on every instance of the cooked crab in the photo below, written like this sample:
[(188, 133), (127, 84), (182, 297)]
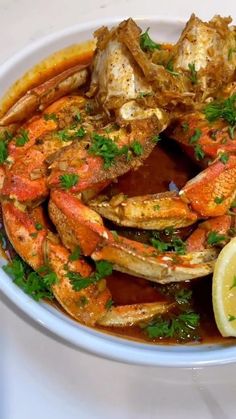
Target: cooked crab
[(68, 155)]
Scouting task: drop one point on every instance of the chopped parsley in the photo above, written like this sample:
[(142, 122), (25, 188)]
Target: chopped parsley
[(3, 151), (156, 207), (224, 157), (170, 68), (79, 282), (181, 327), (198, 151), (215, 238), (185, 126), (38, 226), (68, 180), (231, 318), (144, 94), (231, 131), (78, 117), (146, 43), (234, 283), (193, 73), (76, 254), (177, 245), (36, 284), (225, 110), (71, 134), (196, 136), (137, 148), (156, 138), (183, 296), (219, 199), (109, 304), (22, 139), (83, 301), (50, 117)]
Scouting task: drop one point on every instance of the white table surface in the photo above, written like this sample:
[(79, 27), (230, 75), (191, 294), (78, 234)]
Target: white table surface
[(41, 376)]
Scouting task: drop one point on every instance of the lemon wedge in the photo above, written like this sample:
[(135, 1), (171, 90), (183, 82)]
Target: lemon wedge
[(224, 290)]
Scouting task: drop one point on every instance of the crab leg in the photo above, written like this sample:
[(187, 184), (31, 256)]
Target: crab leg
[(217, 182), (150, 212), (41, 96), (145, 262), (76, 224), (90, 304), (221, 225)]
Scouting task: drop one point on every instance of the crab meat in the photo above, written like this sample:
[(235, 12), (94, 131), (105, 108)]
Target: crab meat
[(207, 46)]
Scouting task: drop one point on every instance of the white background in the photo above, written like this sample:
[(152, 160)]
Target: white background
[(41, 377)]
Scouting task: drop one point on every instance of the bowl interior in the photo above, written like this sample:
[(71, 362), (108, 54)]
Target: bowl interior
[(86, 338)]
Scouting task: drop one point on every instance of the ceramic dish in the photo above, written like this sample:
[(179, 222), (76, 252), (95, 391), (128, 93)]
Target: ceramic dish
[(85, 338)]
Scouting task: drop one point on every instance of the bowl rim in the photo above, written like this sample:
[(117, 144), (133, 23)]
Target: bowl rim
[(91, 340)]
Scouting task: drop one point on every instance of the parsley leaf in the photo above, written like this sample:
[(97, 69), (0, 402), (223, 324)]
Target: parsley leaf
[(109, 304), (32, 283), (181, 327), (231, 318), (50, 117), (146, 43), (224, 157), (22, 139), (219, 199), (68, 180), (230, 53), (79, 282), (193, 73), (234, 283), (195, 137), (76, 254), (215, 238), (156, 138), (137, 148), (106, 148), (3, 151), (222, 110), (170, 68), (199, 153), (183, 296), (185, 126), (38, 226)]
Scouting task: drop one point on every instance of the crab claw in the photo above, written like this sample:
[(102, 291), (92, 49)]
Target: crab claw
[(151, 212), (217, 181), (144, 261), (21, 230), (41, 96), (221, 225), (87, 305), (76, 223)]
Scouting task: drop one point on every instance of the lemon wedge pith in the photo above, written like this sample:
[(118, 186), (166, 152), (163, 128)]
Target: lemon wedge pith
[(224, 290)]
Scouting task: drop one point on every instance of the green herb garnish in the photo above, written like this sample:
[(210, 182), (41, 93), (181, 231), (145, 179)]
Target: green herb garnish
[(109, 304), (181, 327), (215, 238), (22, 139), (195, 137), (38, 226), (183, 296), (78, 282), (193, 73), (225, 110), (231, 318), (50, 117), (146, 43), (68, 180), (219, 199), (170, 68), (185, 126), (76, 254), (3, 151), (198, 151), (234, 283), (224, 157), (137, 148), (32, 283)]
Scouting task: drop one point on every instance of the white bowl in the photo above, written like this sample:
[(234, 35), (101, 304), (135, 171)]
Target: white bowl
[(88, 339)]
